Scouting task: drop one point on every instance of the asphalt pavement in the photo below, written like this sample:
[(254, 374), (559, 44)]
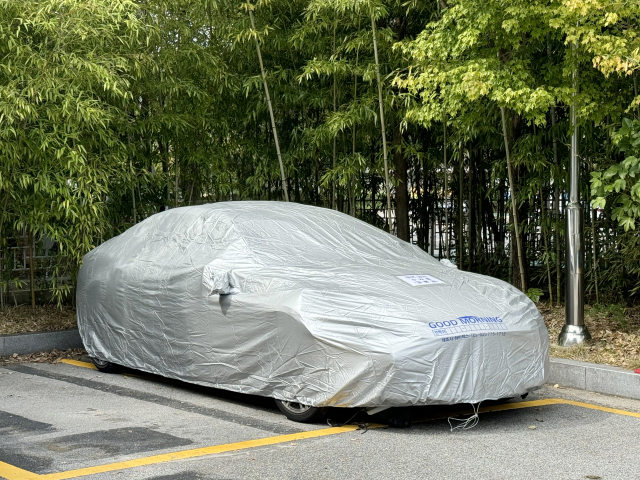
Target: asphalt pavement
[(68, 420)]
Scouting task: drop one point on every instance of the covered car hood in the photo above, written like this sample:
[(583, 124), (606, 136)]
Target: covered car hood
[(305, 304)]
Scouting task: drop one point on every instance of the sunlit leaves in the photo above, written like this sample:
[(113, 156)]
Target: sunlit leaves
[(65, 80), (621, 181)]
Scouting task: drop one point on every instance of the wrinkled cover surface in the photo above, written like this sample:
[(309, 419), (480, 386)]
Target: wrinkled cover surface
[(305, 304)]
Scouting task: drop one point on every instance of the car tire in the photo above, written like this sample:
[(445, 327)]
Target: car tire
[(104, 366), (297, 412)]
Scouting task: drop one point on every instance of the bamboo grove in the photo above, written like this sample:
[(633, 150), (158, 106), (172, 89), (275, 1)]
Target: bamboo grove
[(113, 110)]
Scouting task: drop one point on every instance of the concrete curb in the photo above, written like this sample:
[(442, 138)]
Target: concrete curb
[(27, 343), (594, 378)]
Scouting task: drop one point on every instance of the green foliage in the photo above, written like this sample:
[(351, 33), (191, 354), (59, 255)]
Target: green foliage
[(111, 110), (622, 180), (535, 294), (65, 79)]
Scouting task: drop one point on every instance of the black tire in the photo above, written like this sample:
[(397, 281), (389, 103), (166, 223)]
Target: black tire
[(297, 412), (104, 366)]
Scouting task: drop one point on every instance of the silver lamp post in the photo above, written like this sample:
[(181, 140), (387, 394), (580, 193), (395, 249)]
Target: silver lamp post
[(574, 330)]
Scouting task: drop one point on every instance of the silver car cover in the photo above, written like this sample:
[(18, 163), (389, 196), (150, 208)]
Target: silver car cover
[(305, 304)]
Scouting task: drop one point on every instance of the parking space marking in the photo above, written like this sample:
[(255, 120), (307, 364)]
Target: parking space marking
[(15, 473), (557, 401), (168, 400), (196, 452), (533, 403), (78, 363)]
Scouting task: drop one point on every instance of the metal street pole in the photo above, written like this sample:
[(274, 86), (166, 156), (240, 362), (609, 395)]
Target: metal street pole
[(574, 330)]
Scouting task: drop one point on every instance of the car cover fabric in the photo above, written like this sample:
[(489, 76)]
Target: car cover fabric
[(305, 304)]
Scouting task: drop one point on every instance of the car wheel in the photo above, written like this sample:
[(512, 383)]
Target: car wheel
[(104, 366), (297, 412)]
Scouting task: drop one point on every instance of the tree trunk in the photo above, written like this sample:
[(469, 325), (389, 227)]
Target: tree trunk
[(432, 217), (483, 234), (32, 267), (177, 175), (556, 194), (546, 247), (165, 171), (335, 100), (402, 195), (635, 90), (4, 208), (382, 125), (445, 191), (473, 238), (595, 256), (514, 208), (273, 120), (316, 190), (493, 225), (297, 186), (556, 205), (460, 212), (374, 212), (420, 201)]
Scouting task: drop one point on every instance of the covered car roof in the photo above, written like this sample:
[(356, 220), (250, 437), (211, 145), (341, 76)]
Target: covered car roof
[(305, 304)]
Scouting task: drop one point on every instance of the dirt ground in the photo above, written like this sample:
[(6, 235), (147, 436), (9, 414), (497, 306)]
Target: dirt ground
[(23, 319), (615, 332), (614, 328), (44, 357)]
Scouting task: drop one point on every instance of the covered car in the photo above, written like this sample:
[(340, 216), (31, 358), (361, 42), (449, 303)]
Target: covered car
[(306, 305)]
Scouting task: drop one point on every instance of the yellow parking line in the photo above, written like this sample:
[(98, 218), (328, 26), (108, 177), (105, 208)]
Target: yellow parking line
[(533, 403), (557, 401), (78, 363), (14, 473), (598, 407), (197, 452)]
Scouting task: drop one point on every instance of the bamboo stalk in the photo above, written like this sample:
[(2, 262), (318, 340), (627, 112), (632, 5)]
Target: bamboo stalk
[(556, 206), (446, 189), (546, 247), (595, 257), (4, 208), (353, 135), (461, 211), (133, 197), (335, 94), (384, 135), (556, 195), (177, 173), (273, 121), (31, 270), (543, 229), (635, 90), (514, 207)]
